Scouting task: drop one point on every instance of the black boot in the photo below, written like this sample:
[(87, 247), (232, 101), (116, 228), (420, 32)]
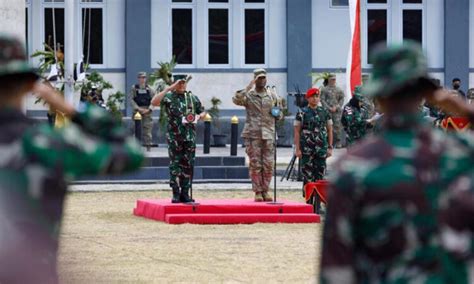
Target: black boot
[(184, 197), (175, 198)]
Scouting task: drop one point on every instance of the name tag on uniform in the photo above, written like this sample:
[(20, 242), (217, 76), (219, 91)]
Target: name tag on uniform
[(142, 91)]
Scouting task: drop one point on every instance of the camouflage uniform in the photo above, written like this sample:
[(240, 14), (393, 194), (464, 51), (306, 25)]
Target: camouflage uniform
[(258, 135), (354, 120), (37, 162), (140, 97), (313, 141), (334, 97), (181, 137), (400, 210)]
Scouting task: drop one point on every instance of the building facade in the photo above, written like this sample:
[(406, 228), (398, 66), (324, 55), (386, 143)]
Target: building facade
[(220, 42)]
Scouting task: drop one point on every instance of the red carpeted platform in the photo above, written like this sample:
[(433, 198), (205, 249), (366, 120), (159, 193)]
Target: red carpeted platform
[(228, 211)]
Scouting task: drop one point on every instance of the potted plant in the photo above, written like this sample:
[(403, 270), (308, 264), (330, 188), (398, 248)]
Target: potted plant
[(214, 112), (114, 104)]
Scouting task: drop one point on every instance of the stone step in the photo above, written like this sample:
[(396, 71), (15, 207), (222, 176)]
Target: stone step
[(162, 173), (199, 162)]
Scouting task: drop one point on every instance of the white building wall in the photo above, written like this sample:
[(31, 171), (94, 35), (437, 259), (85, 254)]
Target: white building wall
[(114, 35), (224, 86), (12, 15), (331, 32), (330, 35)]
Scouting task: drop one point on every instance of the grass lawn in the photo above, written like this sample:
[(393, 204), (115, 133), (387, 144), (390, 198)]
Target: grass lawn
[(102, 242)]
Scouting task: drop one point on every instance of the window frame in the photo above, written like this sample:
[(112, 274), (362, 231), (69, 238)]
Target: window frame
[(418, 7), (250, 6), (224, 6), (185, 5), (332, 6), (79, 44), (365, 7), (28, 35)]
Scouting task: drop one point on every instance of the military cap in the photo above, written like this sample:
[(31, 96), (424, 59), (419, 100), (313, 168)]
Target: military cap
[(357, 92), (141, 74), (13, 59), (260, 72), (311, 92), (332, 76), (394, 67), (180, 77)]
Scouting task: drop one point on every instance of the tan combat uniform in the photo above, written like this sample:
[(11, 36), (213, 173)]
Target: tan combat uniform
[(147, 119), (258, 135), (334, 97)]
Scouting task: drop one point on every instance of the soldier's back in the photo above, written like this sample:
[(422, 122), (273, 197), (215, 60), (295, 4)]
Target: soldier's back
[(390, 190)]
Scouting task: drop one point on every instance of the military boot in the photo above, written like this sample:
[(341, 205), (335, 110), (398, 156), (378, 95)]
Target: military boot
[(175, 198), (266, 196), (184, 197), (258, 197)]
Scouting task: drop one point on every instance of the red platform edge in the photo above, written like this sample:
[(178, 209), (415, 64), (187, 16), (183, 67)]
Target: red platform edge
[(227, 211)]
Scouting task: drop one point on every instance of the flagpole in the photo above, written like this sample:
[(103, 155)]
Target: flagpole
[(69, 51)]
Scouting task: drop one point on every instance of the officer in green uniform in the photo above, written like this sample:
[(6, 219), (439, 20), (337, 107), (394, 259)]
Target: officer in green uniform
[(401, 203), (183, 109), (37, 161), (140, 98), (354, 118), (313, 137)]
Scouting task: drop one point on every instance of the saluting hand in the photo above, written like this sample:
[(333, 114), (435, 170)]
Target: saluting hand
[(250, 85)]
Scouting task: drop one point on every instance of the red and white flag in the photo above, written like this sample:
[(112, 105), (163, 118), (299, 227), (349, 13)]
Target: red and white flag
[(354, 66)]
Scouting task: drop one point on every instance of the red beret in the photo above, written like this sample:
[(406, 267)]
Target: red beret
[(311, 92)]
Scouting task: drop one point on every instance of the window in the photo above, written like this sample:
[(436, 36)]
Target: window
[(27, 28), (376, 29), (92, 36), (54, 27), (412, 25), (412, 20), (182, 20), (218, 36), (339, 3), (254, 36)]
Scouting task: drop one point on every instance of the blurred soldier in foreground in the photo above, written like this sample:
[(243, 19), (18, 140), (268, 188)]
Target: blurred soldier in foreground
[(332, 98), (140, 98), (402, 202), (354, 118), (259, 131), (183, 110), (36, 163), (313, 137)]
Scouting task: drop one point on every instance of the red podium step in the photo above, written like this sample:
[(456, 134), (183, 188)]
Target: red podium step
[(228, 211)]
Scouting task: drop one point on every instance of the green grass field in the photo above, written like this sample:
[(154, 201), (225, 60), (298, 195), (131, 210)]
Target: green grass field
[(103, 242)]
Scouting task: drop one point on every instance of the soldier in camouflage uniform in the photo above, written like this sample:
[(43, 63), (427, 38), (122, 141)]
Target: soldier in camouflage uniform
[(259, 132), (183, 110), (313, 137), (332, 98), (401, 203), (140, 99), (37, 161), (354, 118)]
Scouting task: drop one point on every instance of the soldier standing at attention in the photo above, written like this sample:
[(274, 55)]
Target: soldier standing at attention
[(259, 132), (37, 161), (313, 137), (140, 98), (332, 98), (354, 118), (402, 201), (183, 110)]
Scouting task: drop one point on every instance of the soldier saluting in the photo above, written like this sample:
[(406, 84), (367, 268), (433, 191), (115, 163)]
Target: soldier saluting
[(140, 98), (183, 109), (354, 118), (259, 132)]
